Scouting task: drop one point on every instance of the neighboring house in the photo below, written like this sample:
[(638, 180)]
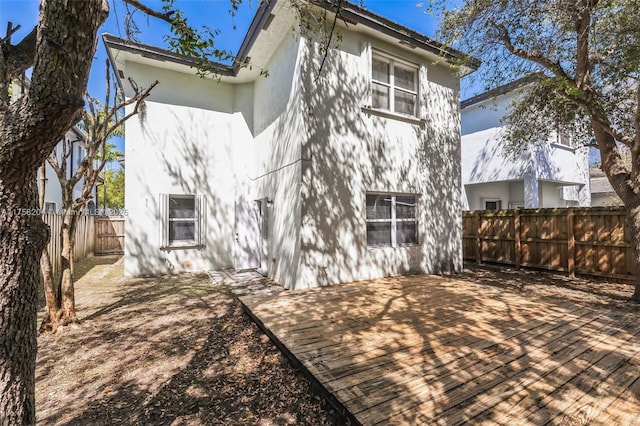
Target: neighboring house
[(75, 139), (350, 177), (602, 194), (555, 174)]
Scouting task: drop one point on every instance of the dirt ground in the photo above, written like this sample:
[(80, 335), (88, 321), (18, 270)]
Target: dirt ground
[(589, 292), (166, 351), (179, 351)]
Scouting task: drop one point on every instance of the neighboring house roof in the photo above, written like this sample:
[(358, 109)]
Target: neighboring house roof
[(349, 14), (599, 182), (504, 89)]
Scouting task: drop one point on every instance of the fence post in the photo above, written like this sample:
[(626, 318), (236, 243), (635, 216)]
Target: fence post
[(516, 230), (476, 215), (571, 245)]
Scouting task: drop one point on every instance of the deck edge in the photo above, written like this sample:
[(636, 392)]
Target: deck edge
[(315, 383)]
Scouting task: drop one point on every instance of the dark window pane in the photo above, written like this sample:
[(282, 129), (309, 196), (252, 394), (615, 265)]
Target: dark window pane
[(182, 231), (378, 233), (404, 78), (405, 103), (406, 233), (380, 96), (493, 205), (405, 207), (380, 70), (378, 207), (182, 207)]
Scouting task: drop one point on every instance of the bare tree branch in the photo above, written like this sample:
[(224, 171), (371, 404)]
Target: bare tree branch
[(328, 43), (554, 67), (166, 16)]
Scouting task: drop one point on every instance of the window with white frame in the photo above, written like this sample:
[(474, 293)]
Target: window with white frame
[(391, 220), (492, 204), (182, 220), (394, 85)]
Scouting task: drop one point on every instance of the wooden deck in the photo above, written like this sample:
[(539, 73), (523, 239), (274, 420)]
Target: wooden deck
[(430, 350)]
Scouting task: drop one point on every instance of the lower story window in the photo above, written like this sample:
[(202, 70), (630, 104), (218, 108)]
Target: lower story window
[(391, 220), (182, 220)]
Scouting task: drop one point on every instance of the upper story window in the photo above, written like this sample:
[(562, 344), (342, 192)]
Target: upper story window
[(394, 85)]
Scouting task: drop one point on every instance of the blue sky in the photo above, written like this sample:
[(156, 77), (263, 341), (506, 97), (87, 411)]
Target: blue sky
[(213, 13)]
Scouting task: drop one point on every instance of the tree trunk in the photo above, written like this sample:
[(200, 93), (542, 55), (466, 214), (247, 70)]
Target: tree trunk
[(61, 305), (60, 53), (23, 237), (51, 294), (67, 234), (42, 186), (633, 224), (628, 191)]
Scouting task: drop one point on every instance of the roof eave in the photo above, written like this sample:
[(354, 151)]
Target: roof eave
[(504, 89), (152, 52), (352, 13)]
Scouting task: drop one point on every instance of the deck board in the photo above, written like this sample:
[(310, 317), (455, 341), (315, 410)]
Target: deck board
[(432, 350)]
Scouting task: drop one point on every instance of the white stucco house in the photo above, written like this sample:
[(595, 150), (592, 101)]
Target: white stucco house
[(602, 194), (75, 141), (350, 177), (555, 174)]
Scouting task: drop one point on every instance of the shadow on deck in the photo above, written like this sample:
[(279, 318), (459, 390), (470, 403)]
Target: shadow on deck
[(431, 350)]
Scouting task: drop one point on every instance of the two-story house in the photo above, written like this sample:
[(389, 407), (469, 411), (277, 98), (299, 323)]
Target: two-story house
[(351, 176), (554, 174)]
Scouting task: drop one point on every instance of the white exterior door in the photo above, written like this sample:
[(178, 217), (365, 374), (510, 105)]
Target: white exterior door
[(248, 235)]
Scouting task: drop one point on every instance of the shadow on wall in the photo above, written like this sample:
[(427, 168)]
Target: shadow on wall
[(279, 133), (185, 155), (349, 153), (492, 163)]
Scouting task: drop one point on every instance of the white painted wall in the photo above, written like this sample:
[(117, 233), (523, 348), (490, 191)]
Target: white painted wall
[(279, 133), (351, 151), (605, 200), (311, 150), (180, 149), (478, 193), (484, 160)]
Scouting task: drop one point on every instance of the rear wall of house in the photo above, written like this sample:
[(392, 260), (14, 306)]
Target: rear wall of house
[(189, 141), (351, 152)]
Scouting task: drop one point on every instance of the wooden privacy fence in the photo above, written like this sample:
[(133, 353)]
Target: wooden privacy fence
[(109, 235), (85, 237), (94, 235), (590, 241)]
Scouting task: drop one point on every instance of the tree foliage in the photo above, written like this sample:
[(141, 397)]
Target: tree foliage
[(114, 184), (589, 53)]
